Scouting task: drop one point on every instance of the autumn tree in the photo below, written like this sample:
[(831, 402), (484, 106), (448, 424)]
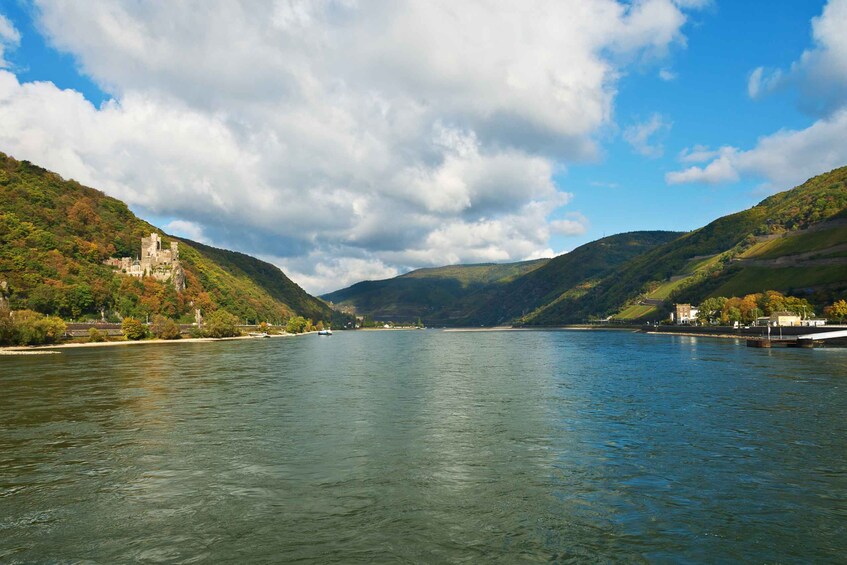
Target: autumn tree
[(133, 329), (164, 328), (221, 323), (836, 311)]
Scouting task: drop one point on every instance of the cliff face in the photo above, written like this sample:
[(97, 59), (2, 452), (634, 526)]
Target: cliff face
[(56, 237)]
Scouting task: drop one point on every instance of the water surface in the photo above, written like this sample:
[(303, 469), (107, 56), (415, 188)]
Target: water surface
[(426, 446)]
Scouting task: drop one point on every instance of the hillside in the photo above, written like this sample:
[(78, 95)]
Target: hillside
[(793, 242), (426, 293), (567, 277), (473, 295), (55, 235)]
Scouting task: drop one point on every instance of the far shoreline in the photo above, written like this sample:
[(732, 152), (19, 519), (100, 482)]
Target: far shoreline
[(46, 349)]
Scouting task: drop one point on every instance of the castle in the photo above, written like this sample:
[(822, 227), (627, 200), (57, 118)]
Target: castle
[(161, 264)]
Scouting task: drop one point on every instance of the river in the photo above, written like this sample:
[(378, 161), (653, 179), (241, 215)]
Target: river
[(426, 446)]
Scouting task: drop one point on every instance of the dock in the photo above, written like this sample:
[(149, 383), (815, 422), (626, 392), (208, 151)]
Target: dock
[(806, 341), (766, 343)]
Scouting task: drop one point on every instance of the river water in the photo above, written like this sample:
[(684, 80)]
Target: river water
[(426, 446)]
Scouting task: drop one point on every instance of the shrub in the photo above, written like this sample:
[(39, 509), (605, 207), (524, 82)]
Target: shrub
[(25, 327), (164, 328), (221, 323), (296, 325), (96, 336), (133, 329)]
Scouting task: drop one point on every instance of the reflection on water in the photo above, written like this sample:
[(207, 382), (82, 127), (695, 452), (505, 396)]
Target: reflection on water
[(426, 446)]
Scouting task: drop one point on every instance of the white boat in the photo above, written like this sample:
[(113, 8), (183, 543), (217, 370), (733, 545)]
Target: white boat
[(324, 332), (259, 334)]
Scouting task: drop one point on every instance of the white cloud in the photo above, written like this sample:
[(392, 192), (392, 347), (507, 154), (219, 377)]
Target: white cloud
[(699, 154), (9, 37), (820, 74), (386, 134), (574, 224), (760, 83), (786, 158), (190, 230), (667, 75), (639, 136), (323, 274), (721, 169)]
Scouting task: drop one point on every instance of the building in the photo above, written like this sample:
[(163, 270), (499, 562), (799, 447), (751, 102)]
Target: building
[(161, 264), (785, 319), (684, 314)]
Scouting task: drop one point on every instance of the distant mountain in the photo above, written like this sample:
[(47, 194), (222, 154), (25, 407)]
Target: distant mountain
[(794, 242), (55, 235), (567, 277), (429, 293), (473, 295)]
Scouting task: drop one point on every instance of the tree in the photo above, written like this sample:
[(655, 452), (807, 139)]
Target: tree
[(96, 336), (26, 327), (7, 326), (133, 329), (164, 328), (221, 323), (710, 308), (837, 311), (295, 325)]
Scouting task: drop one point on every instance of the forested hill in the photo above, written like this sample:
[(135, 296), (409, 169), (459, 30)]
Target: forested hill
[(794, 242), (56, 233), (489, 294), (429, 294)]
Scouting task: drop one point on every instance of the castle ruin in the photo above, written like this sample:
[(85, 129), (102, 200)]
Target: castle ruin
[(161, 264)]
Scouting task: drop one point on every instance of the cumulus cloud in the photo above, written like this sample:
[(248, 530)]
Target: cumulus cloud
[(785, 158), (639, 136), (788, 157), (338, 137), (190, 230), (9, 38), (667, 75), (574, 224), (820, 74)]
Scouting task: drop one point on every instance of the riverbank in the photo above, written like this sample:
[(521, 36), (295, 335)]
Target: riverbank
[(47, 349)]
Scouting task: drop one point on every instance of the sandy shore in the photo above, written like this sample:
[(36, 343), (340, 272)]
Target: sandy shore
[(48, 349)]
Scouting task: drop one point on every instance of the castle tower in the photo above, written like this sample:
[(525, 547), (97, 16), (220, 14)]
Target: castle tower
[(175, 251)]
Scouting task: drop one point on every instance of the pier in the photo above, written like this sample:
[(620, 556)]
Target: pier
[(806, 341)]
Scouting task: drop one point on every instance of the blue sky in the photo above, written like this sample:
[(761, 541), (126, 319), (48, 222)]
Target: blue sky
[(347, 141)]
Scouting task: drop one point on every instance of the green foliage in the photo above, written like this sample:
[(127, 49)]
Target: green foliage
[(221, 323), (164, 328), (296, 325), (133, 329), (725, 242), (836, 311), (26, 327), (491, 294), (55, 235), (96, 336), (746, 309)]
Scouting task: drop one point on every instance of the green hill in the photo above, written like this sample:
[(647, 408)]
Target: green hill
[(794, 242), (567, 277), (55, 235), (490, 294), (426, 293)]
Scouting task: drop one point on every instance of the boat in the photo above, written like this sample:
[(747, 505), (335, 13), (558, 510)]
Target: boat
[(259, 334), (324, 332)]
